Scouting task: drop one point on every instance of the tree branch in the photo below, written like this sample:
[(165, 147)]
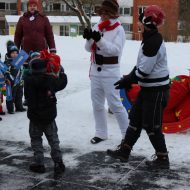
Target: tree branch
[(74, 8)]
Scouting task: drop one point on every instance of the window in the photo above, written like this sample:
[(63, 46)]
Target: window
[(64, 30), (2, 6), (7, 7), (127, 27), (13, 6), (24, 7), (121, 11), (67, 8), (61, 31), (62, 7), (47, 8), (51, 7), (181, 25), (127, 11), (56, 6)]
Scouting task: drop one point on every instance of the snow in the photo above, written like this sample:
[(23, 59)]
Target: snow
[(75, 118)]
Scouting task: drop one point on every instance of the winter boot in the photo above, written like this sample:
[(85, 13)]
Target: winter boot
[(11, 112), (10, 106), (20, 109), (1, 111), (96, 140), (59, 169), (109, 111), (0, 119), (122, 152), (160, 161), (37, 168)]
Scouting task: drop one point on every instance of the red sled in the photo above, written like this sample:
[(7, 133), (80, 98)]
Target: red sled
[(176, 127), (176, 116)]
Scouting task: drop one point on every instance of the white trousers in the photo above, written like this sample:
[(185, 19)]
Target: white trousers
[(103, 88)]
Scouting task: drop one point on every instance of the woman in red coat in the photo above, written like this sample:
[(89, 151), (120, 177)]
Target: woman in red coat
[(33, 30)]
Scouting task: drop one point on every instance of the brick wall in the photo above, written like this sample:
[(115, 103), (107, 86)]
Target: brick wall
[(19, 7), (171, 8)]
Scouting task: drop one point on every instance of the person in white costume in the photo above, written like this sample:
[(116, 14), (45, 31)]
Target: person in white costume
[(105, 42)]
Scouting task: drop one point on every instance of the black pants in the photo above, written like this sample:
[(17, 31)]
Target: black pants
[(17, 93), (147, 114)]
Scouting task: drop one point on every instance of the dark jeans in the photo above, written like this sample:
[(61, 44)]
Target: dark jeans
[(147, 113), (50, 130), (17, 93)]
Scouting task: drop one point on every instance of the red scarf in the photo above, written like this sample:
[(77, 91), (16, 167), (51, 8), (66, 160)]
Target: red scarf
[(105, 25)]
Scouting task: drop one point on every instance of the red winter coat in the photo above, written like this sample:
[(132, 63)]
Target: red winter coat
[(34, 35)]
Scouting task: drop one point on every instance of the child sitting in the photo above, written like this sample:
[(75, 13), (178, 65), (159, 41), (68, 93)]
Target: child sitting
[(40, 89)]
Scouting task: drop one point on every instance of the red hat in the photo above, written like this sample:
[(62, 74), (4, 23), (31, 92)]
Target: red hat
[(30, 2), (153, 16)]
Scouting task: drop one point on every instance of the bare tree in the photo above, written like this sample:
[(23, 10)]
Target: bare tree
[(77, 6)]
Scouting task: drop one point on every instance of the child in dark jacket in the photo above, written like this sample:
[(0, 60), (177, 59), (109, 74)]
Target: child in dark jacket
[(14, 78), (40, 89)]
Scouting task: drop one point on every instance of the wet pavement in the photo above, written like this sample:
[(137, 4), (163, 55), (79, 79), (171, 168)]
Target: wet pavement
[(94, 170)]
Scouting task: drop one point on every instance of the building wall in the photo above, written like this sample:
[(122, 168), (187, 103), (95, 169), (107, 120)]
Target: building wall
[(7, 7), (171, 8), (126, 16)]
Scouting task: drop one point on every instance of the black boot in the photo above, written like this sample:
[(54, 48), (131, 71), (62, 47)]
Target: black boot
[(122, 152), (11, 112), (59, 169), (109, 111), (0, 119), (37, 168), (160, 161), (20, 109), (96, 140), (2, 113)]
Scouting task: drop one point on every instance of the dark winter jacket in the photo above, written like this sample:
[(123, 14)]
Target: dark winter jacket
[(12, 71), (34, 34), (40, 92)]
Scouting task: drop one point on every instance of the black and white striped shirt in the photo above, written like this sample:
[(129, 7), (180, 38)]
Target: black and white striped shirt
[(152, 69)]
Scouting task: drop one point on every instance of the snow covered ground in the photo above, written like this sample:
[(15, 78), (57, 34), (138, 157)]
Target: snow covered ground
[(75, 119)]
